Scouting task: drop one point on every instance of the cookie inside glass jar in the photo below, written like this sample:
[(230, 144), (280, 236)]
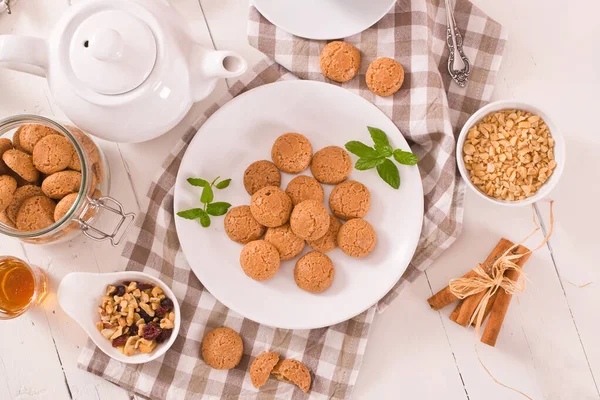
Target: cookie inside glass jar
[(41, 176)]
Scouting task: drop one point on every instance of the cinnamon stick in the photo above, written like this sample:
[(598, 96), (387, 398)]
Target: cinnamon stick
[(500, 307), (445, 297), (463, 315)]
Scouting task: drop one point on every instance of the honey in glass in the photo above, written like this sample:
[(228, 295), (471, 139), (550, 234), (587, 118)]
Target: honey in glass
[(20, 286)]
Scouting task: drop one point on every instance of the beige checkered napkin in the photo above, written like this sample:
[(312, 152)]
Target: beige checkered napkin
[(428, 108), (423, 110)]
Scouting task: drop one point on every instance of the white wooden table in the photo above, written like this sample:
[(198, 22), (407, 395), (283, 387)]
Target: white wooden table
[(549, 345)]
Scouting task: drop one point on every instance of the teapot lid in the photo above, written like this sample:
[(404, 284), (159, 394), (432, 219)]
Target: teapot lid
[(112, 52)]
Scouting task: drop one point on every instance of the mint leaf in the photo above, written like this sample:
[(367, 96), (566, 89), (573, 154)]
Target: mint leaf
[(388, 171), (361, 149), (379, 137), (207, 194), (223, 184), (384, 150), (198, 182), (364, 164), (217, 209), (405, 157), (191, 214), (204, 219)]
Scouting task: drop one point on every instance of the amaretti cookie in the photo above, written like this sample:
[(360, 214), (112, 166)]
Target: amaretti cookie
[(357, 238), (304, 188), (329, 241), (310, 220), (88, 146), (350, 199), (60, 184), (314, 272), (331, 165), (222, 348), (5, 144), (271, 206), (287, 243), (22, 164), (241, 226), (292, 153), (6, 221), (385, 76), (8, 185), (35, 213), (340, 61), (261, 368), (260, 260), (52, 153), (28, 136), (64, 205), (260, 174), (20, 195), (293, 371)]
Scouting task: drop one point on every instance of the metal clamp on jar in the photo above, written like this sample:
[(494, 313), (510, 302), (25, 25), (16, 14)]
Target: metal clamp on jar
[(54, 183)]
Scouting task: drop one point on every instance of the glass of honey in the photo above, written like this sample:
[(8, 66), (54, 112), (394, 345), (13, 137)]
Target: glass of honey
[(22, 286)]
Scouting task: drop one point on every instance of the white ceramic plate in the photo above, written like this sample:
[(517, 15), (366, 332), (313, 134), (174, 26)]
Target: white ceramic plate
[(243, 131), (324, 19)]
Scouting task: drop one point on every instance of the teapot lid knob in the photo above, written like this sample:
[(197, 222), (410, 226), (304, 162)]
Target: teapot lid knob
[(107, 45), (112, 52)]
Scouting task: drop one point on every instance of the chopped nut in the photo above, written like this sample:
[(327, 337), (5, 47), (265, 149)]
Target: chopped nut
[(156, 291), (99, 326), (117, 333), (131, 287), (110, 290), (146, 346), (107, 333), (166, 323), (147, 309), (130, 346)]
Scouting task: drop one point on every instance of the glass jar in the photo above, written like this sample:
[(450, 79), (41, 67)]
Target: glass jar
[(84, 206)]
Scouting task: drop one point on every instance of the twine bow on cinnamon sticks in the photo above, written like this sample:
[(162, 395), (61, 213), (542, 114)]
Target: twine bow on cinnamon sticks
[(486, 290)]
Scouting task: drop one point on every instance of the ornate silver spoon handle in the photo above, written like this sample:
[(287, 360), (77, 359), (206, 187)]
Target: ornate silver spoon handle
[(455, 43)]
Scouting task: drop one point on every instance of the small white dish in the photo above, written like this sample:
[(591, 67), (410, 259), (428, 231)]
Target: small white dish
[(559, 150), (80, 294), (243, 131), (324, 19)]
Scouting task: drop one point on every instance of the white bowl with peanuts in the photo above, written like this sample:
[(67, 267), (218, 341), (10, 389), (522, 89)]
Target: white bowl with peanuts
[(510, 153), (93, 300)]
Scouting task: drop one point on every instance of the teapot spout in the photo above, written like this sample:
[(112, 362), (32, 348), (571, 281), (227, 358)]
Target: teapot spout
[(209, 65), (224, 64)]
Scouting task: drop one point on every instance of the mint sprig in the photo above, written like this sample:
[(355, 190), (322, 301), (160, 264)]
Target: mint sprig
[(379, 155), (208, 195)]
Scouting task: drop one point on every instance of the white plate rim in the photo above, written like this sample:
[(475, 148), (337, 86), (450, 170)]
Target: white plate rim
[(413, 241), (304, 35)]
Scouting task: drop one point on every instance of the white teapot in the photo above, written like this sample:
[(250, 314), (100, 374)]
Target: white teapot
[(122, 70)]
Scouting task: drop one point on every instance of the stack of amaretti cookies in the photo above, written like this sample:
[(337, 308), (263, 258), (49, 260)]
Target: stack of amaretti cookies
[(295, 217), (40, 176)]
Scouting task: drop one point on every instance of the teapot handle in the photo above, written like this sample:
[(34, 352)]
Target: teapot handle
[(24, 53)]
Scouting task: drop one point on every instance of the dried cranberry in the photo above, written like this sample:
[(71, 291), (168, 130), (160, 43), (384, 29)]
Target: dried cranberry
[(134, 329), (161, 311), (120, 341), (167, 303), (145, 315), (120, 290), (164, 335), (145, 286), (152, 331), (118, 308)]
